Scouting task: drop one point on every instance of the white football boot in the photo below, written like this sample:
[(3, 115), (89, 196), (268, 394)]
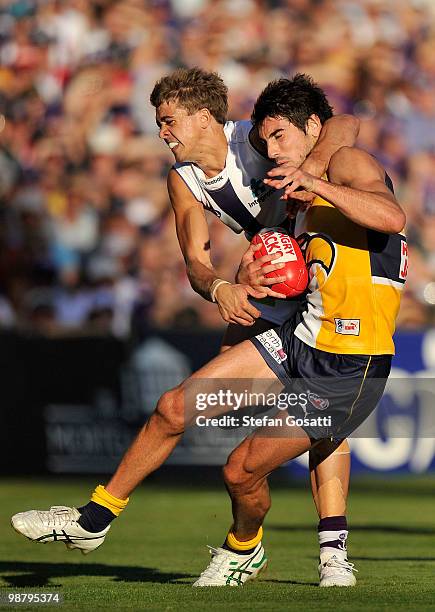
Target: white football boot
[(59, 524), (335, 570), (228, 568)]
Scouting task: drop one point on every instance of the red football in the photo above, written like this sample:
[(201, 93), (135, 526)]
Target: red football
[(277, 240)]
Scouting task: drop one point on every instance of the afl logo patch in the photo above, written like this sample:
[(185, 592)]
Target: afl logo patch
[(318, 402)]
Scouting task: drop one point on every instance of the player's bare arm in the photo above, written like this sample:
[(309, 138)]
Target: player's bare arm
[(357, 188), (359, 191), (193, 235), (337, 132), (194, 240)]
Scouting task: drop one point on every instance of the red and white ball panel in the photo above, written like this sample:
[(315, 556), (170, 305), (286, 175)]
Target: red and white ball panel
[(276, 240)]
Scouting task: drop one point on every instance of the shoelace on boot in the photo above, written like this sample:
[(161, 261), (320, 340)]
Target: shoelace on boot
[(58, 516), (218, 559), (342, 564)]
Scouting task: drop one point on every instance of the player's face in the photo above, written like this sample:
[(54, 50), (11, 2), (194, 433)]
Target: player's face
[(179, 130), (285, 142)]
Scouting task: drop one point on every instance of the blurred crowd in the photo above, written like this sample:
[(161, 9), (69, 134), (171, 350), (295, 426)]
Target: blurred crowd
[(87, 240)]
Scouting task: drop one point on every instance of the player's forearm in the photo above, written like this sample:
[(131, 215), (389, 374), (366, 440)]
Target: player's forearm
[(337, 132), (369, 209), (201, 278)]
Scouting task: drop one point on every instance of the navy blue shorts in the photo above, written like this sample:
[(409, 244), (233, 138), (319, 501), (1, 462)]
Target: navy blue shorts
[(335, 392)]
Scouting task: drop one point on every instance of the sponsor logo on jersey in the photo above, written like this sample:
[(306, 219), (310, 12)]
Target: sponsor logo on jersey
[(347, 327), (214, 180), (261, 198), (273, 345), (318, 402)]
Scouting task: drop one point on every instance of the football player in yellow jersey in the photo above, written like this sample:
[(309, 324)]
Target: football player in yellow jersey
[(352, 240), (356, 254)]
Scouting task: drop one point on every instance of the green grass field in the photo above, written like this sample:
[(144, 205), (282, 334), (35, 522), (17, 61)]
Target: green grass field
[(158, 547)]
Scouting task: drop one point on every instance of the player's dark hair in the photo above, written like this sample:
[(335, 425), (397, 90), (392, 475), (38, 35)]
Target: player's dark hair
[(294, 99), (193, 89)]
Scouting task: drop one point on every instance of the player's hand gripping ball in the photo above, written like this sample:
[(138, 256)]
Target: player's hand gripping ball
[(277, 240)]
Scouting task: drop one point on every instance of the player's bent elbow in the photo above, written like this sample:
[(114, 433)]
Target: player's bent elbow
[(398, 222)]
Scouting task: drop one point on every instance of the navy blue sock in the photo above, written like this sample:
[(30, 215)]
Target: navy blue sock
[(333, 532), (94, 517)]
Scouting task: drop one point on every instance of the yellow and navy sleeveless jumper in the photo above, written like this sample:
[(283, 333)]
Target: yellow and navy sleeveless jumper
[(356, 279)]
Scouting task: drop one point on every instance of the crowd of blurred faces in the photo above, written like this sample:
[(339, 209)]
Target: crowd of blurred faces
[(87, 240)]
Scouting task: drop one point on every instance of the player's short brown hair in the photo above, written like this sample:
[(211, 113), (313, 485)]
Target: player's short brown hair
[(193, 89)]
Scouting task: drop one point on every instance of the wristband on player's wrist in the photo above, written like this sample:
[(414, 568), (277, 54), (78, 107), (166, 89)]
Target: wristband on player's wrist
[(214, 286)]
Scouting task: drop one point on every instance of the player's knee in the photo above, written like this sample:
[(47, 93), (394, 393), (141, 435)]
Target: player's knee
[(242, 483), (236, 478), (170, 409)]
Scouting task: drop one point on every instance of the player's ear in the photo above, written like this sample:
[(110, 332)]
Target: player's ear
[(204, 117), (314, 126)]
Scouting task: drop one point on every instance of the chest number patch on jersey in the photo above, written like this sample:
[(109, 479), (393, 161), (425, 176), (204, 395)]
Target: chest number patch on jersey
[(403, 273), (347, 327)]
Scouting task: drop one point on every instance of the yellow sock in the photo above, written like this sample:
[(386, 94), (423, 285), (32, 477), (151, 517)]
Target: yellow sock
[(102, 497), (236, 544)]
